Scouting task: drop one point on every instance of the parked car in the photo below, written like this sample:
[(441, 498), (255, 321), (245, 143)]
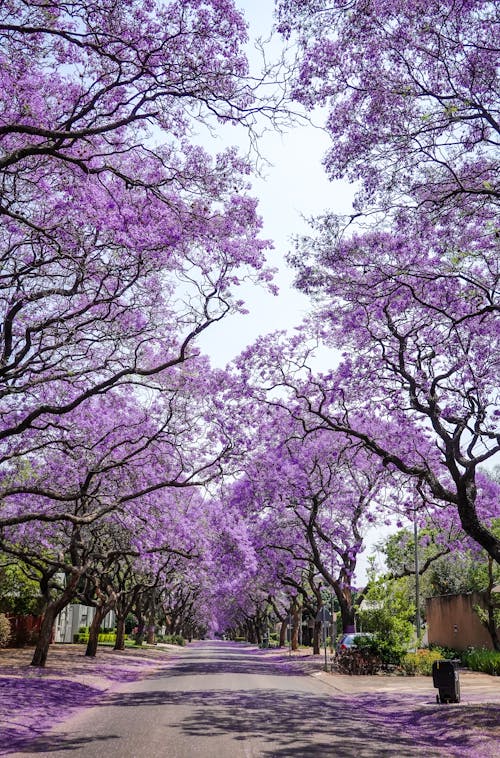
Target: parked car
[(347, 641)]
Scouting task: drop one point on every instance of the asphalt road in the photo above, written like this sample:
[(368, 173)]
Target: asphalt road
[(218, 700)]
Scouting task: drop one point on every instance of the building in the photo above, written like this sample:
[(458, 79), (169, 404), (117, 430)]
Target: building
[(71, 618)]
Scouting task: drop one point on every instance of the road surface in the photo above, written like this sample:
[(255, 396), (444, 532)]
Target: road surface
[(222, 700)]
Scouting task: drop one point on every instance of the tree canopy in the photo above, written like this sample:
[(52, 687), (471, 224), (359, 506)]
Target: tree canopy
[(128, 465)]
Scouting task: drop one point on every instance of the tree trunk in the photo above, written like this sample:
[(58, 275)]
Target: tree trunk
[(94, 631), (258, 635), (283, 628), (170, 622), (251, 632), (466, 491), (295, 629), (346, 609), (492, 628), (120, 633), (150, 636), (139, 635), (45, 635), (51, 611), (492, 606), (317, 638)]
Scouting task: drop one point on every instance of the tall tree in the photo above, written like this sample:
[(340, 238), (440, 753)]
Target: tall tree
[(411, 90), (121, 240), (435, 433)]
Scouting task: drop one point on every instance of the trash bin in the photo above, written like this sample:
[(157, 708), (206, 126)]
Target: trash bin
[(445, 678)]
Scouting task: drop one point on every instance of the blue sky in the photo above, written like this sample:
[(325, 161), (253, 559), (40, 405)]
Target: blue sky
[(294, 187)]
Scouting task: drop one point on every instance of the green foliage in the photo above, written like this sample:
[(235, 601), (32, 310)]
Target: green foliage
[(399, 549), (448, 574), (107, 637), (388, 648), (420, 662), (388, 616), (486, 661), (447, 652), (454, 573), (20, 594), (5, 630), (104, 637), (482, 613), (459, 573), (174, 639)]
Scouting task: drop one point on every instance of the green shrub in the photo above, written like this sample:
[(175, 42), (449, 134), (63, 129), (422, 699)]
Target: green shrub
[(486, 661), (175, 639), (109, 637), (5, 630), (104, 637), (448, 653), (390, 648), (389, 617), (420, 662)]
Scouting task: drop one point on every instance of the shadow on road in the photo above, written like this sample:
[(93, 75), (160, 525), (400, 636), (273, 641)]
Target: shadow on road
[(285, 725), (44, 699), (279, 721)]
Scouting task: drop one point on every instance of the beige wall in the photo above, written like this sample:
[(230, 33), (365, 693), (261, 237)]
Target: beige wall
[(452, 622)]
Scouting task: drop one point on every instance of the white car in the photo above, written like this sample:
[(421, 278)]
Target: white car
[(347, 641)]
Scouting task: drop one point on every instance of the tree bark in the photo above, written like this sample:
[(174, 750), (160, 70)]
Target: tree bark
[(492, 606), (317, 638), (492, 628), (295, 628), (283, 628), (139, 635), (251, 632), (52, 609), (258, 635), (94, 631), (120, 633), (45, 635), (346, 608)]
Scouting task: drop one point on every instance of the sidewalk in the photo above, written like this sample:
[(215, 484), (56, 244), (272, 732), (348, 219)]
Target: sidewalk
[(469, 729), (476, 688)]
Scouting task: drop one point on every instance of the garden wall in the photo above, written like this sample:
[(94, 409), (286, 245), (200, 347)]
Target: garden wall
[(452, 622)]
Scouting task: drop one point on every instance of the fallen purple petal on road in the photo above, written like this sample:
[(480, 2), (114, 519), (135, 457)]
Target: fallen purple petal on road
[(34, 700)]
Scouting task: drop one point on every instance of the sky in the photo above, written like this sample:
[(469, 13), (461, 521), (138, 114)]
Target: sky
[(294, 187)]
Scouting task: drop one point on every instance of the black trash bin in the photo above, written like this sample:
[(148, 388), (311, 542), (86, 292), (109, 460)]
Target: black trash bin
[(445, 678)]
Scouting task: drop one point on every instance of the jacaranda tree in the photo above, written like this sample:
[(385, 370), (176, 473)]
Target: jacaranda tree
[(411, 90), (121, 240)]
